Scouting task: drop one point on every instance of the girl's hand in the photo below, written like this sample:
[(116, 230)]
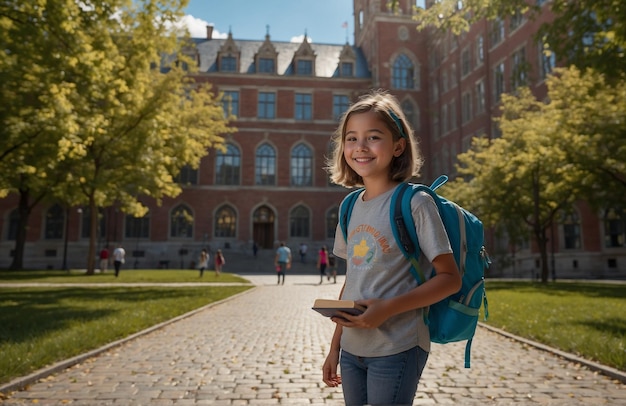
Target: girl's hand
[(375, 315), (329, 369)]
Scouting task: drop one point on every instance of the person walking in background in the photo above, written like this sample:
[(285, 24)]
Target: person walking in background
[(203, 261), (322, 261), (383, 351), (332, 265), (303, 250), (282, 261), (219, 262), (255, 249), (104, 259), (119, 255)]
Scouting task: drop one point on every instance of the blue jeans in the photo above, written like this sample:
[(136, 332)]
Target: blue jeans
[(390, 380)]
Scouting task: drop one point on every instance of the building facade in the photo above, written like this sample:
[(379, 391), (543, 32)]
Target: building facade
[(269, 185)]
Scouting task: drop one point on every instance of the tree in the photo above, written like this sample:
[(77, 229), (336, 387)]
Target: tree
[(133, 117), (521, 178), (586, 33)]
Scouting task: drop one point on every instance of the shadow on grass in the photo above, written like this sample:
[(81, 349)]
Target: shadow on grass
[(28, 314), (591, 289)]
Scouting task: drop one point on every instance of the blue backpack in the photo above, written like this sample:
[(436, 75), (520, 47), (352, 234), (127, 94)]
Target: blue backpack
[(454, 318)]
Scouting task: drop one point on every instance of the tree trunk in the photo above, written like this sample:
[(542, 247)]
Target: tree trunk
[(24, 211), (93, 231)]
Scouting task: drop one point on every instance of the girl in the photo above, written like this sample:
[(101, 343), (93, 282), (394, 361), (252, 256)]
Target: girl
[(203, 261), (219, 262), (383, 351)]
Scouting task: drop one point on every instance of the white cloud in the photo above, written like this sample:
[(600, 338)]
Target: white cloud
[(197, 27), (298, 39)]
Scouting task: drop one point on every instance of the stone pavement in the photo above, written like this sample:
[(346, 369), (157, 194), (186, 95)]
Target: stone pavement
[(266, 347)]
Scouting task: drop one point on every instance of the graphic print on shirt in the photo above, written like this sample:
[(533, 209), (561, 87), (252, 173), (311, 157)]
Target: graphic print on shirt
[(365, 246)]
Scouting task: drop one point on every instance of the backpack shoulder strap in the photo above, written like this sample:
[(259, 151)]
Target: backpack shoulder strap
[(403, 227), (345, 211)]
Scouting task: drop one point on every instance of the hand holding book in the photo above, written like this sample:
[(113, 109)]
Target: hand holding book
[(332, 307)]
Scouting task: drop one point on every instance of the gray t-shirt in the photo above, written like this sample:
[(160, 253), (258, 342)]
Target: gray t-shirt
[(376, 268)]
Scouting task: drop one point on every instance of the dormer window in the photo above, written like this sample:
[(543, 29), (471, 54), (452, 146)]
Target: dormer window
[(228, 56), (347, 62), (265, 58), (228, 64), (266, 65), (304, 59), (304, 68), (347, 69)]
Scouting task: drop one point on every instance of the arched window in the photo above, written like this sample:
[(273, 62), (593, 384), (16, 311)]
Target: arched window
[(181, 222), (265, 165), (228, 166), (332, 219), (55, 220), (225, 222), (137, 227), (301, 166), (299, 220), (14, 220), (403, 75), (615, 228)]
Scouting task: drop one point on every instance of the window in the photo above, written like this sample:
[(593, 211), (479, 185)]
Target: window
[(452, 114), (332, 219), (480, 50), (54, 223), (444, 119), (466, 62), (347, 69), (301, 166), (86, 223), (228, 64), (14, 221), (265, 165), (225, 222), (571, 230), (230, 103), (228, 166), (453, 77), (498, 81), (480, 97), (340, 105), (614, 228), (444, 81), (137, 227), (519, 75), (403, 73), (187, 176), (304, 106), (181, 222), (516, 20), (299, 220), (304, 67), (267, 105), (266, 65), (496, 33), (547, 60)]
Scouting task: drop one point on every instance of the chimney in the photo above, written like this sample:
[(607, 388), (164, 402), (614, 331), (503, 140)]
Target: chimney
[(209, 32)]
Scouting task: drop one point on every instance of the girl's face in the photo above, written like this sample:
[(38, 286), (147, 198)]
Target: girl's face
[(369, 146)]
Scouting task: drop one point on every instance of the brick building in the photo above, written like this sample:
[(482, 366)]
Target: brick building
[(270, 184)]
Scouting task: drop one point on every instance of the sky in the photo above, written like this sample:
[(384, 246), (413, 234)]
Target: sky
[(288, 20)]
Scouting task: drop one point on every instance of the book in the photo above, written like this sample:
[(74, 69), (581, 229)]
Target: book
[(331, 307)]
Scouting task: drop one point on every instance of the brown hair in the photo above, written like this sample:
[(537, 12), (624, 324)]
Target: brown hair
[(386, 106)]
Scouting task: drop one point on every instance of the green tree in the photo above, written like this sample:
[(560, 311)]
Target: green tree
[(134, 116), (586, 33), (519, 182)]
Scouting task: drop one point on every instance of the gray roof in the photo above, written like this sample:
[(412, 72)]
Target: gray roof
[(326, 60)]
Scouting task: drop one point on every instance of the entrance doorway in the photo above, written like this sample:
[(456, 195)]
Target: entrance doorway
[(263, 227)]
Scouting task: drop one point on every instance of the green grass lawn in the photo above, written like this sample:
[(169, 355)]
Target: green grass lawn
[(587, 319), (43, 325)]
